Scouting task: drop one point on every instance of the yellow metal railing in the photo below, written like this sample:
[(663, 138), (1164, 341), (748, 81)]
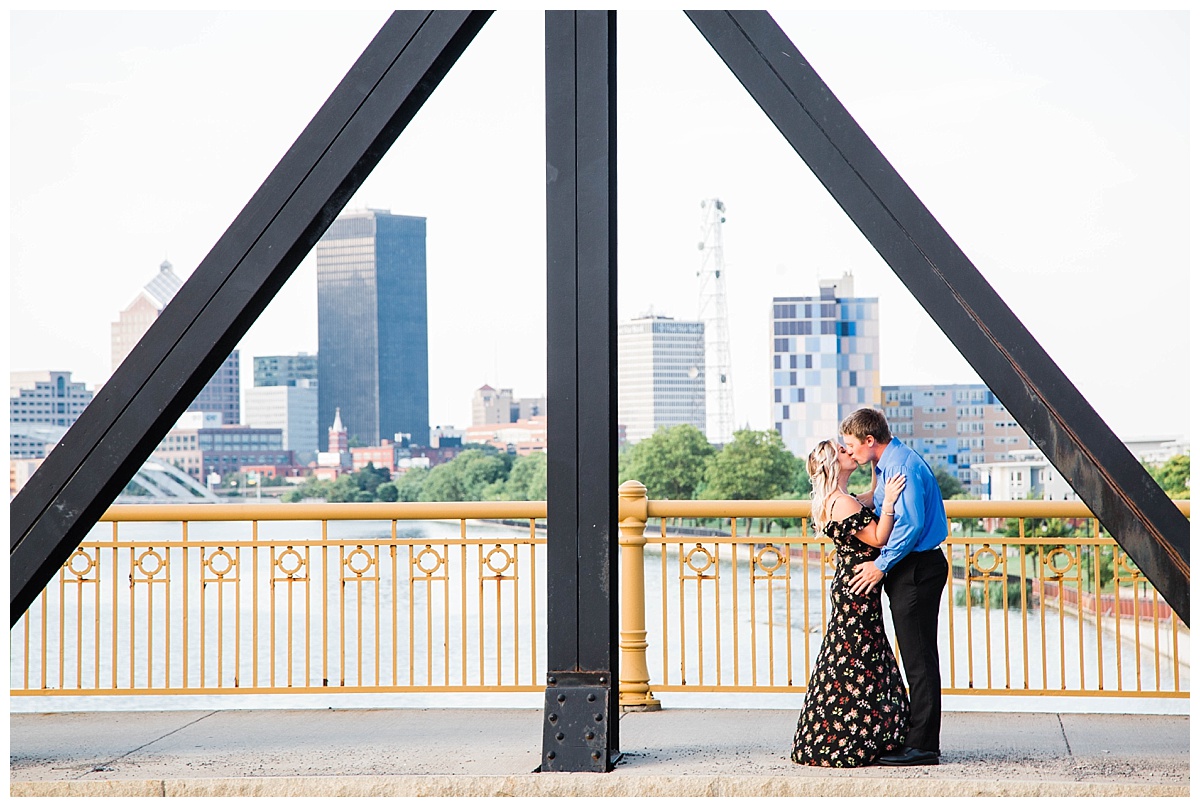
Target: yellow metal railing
[(1030, 615), (246, 599), (243, 599)]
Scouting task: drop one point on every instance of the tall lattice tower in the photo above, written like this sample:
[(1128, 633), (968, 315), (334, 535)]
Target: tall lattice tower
[(717, 371)]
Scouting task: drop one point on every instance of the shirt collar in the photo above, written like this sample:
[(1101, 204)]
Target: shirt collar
[(891, 454)]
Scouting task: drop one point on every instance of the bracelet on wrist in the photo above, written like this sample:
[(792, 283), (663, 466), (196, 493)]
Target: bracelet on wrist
[(889, 513)]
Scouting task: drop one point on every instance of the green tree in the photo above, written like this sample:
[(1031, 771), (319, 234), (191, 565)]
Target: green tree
[(801, 482), (1173, 476), (444, 484), (527, 480), (410, 483), (469, 477), (370, 478), (859, 481), (754, 465), (344, 489), (311, 488), (387, 492), (480, 469), (670, 463), (947, 482)]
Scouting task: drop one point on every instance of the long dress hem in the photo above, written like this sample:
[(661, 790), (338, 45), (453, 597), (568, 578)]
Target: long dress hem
[(856, 708)]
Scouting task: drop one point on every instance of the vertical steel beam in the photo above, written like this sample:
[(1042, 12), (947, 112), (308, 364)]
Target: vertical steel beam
[(987, 333), (228, 290), (580, 728)]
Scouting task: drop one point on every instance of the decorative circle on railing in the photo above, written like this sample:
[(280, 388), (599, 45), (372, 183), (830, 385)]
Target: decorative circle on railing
[(1050, 561), (290, 556), (830, 557), (698, 555), (769, 559), (362, 557), (83, 556), (504, 557), (985, 553), (151, 568), (1124, 568), (429, 552), (220, 562)]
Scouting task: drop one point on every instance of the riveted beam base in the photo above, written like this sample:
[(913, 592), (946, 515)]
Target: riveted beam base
[(576, 721)]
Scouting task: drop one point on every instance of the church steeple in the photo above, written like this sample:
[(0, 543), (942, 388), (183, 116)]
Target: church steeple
[(338, 439)]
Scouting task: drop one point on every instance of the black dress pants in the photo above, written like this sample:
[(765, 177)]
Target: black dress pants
[(914, 587)]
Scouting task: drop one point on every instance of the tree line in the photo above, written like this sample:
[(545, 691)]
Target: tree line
[(479, 473), (673, 463)]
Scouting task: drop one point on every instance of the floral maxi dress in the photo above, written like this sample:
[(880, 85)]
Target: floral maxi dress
[(856, 707)]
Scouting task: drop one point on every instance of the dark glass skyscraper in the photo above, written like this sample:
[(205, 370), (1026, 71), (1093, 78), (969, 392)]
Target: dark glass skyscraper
[(372, 327)]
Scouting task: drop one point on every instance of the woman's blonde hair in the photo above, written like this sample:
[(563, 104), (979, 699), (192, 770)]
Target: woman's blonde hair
[(823, 471)]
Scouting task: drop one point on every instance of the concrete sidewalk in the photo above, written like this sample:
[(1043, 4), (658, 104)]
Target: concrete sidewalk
[(492, 752)]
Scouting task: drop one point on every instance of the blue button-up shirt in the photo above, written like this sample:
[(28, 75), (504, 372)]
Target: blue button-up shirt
[(920, 522)]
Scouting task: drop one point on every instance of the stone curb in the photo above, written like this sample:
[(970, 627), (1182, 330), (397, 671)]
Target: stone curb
[(581, 784)]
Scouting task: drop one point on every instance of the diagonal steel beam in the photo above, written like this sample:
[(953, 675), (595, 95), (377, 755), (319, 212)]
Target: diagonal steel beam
[(580, 728), (131, 414), (997, 345)]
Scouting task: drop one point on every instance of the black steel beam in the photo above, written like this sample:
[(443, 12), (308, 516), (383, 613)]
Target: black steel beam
[(997, 345), (580, 728), (135, 409)]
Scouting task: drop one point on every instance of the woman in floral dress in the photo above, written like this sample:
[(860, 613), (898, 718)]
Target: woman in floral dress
[(856, 707)]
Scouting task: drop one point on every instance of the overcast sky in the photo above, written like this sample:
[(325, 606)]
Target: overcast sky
[(1052, 146)]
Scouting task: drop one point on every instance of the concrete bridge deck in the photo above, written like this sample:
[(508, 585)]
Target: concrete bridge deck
[(492, 752)]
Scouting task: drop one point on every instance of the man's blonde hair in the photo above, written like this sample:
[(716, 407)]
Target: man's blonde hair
[(863, 422)]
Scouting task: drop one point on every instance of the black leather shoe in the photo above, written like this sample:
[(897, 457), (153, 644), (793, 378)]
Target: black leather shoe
[(910, 756)]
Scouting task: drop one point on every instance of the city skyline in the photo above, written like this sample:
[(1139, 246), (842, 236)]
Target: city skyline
[(1017, 150)]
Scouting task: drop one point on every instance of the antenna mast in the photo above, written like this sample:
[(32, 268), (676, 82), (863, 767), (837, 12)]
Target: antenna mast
[(718, 375)]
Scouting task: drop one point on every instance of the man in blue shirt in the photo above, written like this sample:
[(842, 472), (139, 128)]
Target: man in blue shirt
[(913, 569)]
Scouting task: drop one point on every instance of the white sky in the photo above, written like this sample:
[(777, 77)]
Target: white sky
[(1054, 147)]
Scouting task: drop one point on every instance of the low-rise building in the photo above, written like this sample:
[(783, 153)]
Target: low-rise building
[(1157, 450), (200, 445), (1025, 474), (387, 455), (521, 438)]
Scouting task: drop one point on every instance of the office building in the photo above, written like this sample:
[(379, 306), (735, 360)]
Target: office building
[(200, 445), (490, 405), (291, 408), (660, 375), (955, 426), (223, 392), (824, 362), (42, 405), (285, 371), (372, 327)]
